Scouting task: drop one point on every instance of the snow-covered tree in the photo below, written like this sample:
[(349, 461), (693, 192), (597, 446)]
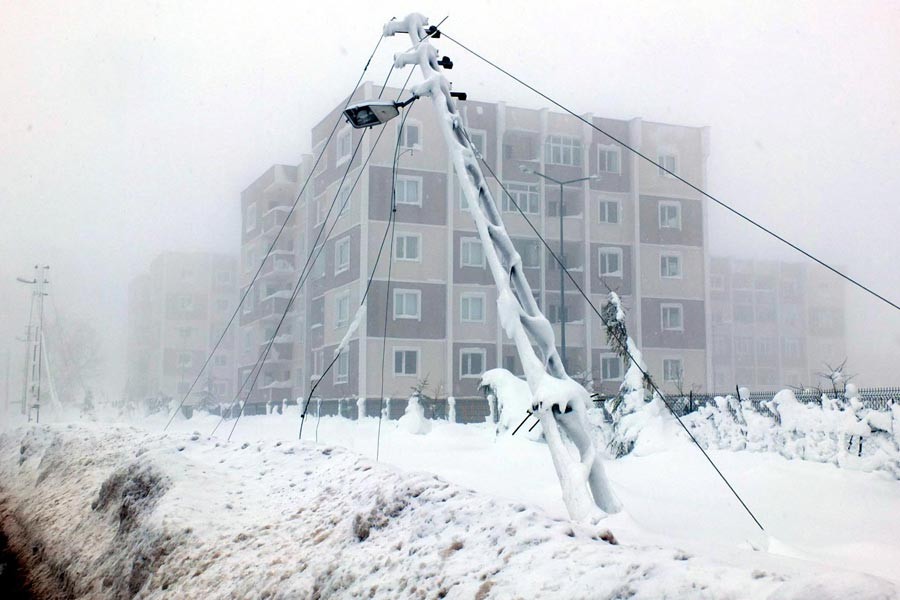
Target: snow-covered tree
[(635, 391)]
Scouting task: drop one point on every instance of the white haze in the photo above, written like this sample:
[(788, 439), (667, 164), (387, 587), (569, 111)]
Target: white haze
[(127, 129)]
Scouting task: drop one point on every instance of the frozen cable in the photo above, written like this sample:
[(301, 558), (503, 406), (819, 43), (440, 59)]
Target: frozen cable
[(676, 176)]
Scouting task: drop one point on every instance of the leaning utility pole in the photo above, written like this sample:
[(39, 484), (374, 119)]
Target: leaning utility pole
[(558, 401)]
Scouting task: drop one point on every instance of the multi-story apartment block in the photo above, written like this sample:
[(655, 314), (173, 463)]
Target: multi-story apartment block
[(774, 324), (634, 229), (265, 206), (176, 312)]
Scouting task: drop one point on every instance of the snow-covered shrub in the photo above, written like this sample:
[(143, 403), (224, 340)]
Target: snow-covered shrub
[(513, 397), (413, 420), (846, 434), (634, 406)]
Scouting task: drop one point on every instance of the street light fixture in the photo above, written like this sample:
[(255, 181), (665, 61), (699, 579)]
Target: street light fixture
[(374, 112), (562, 253)]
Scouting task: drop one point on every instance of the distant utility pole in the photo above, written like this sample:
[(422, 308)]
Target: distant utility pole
[(34, 339)]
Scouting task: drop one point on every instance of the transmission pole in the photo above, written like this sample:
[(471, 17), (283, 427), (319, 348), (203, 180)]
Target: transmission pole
[(558, 401)]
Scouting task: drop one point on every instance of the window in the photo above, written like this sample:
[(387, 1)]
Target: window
[(471, 253), (185, 303), (250, 217), (530, 251), (344, 202), (670, 266), (342, 367), (672, 316), (472, 308), (342, 309), (184, 360), (344, 145), (409, 190), (743, 345), (673, 370), (667, 161), (223, 277), (609, 211), (717, 282), (318, 268), (406, 362), (525, 195), (407, 304), (743, 313), (408, 247), (792, 348), (765, 347), (610, 260), (410, 135), (563, 150), (478, 139), (471, 362), (221, 361), (609, 159), (610, 368), (341, 255), (221, 304), (670, 215), (185, 332)]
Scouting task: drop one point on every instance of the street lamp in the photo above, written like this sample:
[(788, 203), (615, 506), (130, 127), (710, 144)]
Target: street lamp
[(562, 254), (374, 112)]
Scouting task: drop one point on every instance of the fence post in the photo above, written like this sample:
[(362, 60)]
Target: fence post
[(691, 401)]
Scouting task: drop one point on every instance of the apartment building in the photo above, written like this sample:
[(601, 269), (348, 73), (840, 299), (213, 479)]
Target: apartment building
[(265, 207), (774, 324), (176, 311), (634, 229)]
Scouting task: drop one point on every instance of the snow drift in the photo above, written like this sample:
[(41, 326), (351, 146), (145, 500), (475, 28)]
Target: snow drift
[(118, 513)]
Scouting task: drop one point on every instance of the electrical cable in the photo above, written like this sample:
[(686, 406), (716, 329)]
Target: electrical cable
[(275, 239), (387, 290), (317, 249), (645, 374), (676, 176)]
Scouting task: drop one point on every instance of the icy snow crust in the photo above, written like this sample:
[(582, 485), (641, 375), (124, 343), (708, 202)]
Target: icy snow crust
[(118, 512)]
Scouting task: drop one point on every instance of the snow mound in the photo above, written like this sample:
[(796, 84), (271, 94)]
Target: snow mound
[(123, 513)]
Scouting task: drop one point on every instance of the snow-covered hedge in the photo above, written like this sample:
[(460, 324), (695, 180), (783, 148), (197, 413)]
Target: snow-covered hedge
[(837, 431)]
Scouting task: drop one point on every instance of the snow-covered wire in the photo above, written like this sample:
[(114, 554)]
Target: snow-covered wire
[(675, 175), (271, 248), (360, 311), (317, 249), (628, 351), (387, 292)]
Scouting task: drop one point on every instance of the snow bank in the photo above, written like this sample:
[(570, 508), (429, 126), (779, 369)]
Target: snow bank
[(121, 513)]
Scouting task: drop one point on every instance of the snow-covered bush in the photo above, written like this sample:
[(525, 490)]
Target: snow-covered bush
[(513, 397), (413, 420), (846, 434), (634, 406)]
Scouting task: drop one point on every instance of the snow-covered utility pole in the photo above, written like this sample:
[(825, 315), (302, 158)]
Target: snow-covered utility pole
[(559, 401)]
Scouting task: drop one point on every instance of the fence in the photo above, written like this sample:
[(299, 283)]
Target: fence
[(475, 409), (873, 398)]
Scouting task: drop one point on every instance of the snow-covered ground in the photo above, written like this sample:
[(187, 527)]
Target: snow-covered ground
[(265, 514)]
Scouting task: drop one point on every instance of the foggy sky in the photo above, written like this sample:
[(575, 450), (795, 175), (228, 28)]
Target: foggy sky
[(127, 131)]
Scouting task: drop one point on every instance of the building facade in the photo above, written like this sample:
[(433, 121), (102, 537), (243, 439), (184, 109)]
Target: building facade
[(774, 324), (634, 230), (265, 207), (177, 310)]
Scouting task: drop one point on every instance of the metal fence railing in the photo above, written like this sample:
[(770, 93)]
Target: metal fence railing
[(873, 398)]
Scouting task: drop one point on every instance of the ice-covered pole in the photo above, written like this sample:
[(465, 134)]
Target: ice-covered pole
[(559, 401)]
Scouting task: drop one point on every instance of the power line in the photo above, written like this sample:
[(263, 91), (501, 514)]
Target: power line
[(310, 261), (387, 289), (275, 239), (646, 375), (676, 176)]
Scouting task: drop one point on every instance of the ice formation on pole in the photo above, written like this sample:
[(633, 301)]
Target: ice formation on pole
[(557, 400), (354, 325)]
